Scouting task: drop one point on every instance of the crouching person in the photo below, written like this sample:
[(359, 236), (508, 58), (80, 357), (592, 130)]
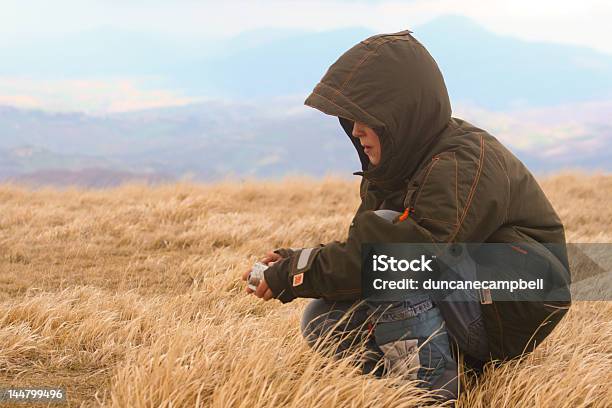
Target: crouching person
[(452, 183)]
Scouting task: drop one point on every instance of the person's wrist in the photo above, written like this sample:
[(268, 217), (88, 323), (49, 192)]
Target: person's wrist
[(276, 276)]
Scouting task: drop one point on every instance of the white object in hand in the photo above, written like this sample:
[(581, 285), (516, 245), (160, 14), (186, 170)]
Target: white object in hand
[(256, 275)]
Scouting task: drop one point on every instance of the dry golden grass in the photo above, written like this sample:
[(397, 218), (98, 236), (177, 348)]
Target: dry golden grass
[(132, 297)]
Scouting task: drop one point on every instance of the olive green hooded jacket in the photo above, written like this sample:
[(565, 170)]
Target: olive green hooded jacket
[(459, 183)]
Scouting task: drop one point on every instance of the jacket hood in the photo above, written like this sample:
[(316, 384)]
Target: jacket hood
[(392, 84)]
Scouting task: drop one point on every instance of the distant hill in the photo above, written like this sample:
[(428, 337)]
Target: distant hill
[(206, 142), (498, 72), (213, 140), (493, 71)]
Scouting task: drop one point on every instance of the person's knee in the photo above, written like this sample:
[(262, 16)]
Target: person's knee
[(322, 318), (314, 317)]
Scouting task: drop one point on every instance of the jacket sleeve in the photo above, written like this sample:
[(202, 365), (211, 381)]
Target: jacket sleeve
[(456, 198), (333, 271)]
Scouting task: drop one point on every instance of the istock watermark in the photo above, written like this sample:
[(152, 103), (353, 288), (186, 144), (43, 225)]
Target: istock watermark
[(383, 263), (487, 271)]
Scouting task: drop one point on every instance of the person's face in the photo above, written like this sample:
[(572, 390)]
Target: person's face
[(369, 140)]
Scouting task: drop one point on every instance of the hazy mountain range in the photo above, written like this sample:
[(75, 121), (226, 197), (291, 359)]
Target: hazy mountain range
[(550, 103), (212, 140), (206, 141)]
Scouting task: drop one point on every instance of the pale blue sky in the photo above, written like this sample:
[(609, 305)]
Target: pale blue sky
[(36, 37), (585, 22)]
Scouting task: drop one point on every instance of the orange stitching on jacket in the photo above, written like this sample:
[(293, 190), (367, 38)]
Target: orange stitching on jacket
[(503, 166), (350, 75), (431, 166), (331, 101), (364, 59), (347, 100), (472, 190)]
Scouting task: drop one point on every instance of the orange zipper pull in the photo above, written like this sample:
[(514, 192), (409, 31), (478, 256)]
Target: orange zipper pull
[(405, 214)]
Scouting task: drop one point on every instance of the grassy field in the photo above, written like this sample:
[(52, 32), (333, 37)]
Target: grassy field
[(132, 297)]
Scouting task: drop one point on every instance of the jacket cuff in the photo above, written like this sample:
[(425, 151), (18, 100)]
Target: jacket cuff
[(277, 278)]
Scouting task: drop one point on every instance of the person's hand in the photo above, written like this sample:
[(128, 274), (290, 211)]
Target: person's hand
[(270, 258), (262, 291)]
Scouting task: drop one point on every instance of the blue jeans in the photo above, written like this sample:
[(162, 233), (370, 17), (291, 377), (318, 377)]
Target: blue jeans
[(412, 346)]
